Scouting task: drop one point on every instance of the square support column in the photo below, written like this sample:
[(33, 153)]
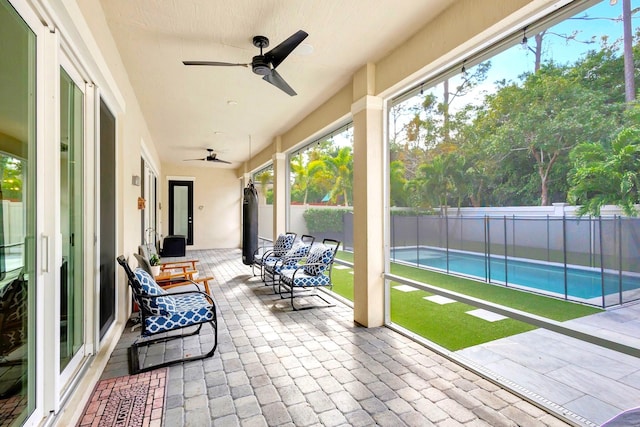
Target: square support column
[(279, 194), (368, 211)]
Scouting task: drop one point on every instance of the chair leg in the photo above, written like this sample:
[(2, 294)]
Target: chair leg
[(308, 307), (134, 359)]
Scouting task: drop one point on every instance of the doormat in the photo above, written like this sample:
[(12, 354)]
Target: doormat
[(133, 400)]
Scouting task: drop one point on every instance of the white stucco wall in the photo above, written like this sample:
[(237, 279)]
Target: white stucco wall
[(217, 201)]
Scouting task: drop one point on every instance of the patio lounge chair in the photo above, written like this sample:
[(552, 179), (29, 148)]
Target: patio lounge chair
[(175, 278), (162, 313), (283, 243), (182, 265), (305, 279), (298, 252)]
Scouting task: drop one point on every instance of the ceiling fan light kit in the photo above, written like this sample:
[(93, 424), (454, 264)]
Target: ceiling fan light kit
[(265, 64)]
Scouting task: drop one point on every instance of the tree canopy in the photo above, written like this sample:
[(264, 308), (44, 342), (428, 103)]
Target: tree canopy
[(508, 142)]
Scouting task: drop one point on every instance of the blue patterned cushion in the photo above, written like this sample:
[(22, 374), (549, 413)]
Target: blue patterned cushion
[(318, 260), (190, 310), (283, 244), (158, 306), (301, 278), (297, 251)]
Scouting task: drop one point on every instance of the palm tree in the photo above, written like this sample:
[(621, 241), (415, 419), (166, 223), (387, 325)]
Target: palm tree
[(431, 185), (265, 178), (341, 167), (397, 183), (304, 173), (607, 177)]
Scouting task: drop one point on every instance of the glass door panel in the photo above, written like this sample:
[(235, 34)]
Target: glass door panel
[(180, 217), (17, 218), (71, 219)]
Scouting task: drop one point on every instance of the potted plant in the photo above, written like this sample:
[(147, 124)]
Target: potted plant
[(154, 260)]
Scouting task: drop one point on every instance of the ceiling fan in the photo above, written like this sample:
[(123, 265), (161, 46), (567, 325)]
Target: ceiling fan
[(211, 157), (266, 64)]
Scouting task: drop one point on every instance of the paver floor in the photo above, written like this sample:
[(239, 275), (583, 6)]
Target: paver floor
[(276, 367)]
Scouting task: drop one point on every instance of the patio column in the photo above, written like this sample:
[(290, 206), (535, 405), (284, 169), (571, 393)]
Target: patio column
[(368, 212), (279, 192)]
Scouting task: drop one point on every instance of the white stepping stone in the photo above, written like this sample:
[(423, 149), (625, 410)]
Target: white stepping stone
[(439, 299), (405, 288), (486, 315)]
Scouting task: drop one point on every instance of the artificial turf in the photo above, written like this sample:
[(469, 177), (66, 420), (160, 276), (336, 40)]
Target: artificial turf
[(449, 325)]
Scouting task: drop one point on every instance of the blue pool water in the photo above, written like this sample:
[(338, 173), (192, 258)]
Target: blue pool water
[(581, 283)]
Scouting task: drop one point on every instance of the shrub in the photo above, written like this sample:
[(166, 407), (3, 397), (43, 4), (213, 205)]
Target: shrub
[(324, 220)]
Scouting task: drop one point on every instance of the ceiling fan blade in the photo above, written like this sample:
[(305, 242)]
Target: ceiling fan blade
[(280, 52), (189, 160), (220, 161), (214, 63), (276, 79)]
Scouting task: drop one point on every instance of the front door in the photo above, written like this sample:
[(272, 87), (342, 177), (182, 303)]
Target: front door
[(181, 209)]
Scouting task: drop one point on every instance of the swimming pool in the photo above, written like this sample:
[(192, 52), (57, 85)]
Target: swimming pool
[(582, 284)]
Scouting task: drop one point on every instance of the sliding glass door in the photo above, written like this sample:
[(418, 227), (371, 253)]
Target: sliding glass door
[(71, 220), (17, 218)]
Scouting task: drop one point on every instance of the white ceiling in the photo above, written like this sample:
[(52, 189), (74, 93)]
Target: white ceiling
[(187, 109)]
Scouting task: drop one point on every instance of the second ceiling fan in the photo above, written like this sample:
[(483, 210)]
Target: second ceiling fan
[(266, 64), (211, 157)]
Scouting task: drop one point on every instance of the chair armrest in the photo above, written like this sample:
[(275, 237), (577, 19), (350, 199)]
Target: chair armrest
[(179, 275), (189, 281), (179, 264), (265, 249), (283, 260), (208, 297), (311, 263)]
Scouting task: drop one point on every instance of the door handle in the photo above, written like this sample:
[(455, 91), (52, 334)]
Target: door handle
[(44, 241)]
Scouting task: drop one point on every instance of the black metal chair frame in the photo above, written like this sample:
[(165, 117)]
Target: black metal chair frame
[(305, 291), (134, 363), (267, 252), (270, 277)]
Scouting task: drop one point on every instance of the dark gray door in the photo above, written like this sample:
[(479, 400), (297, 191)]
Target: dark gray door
[(181, 209)]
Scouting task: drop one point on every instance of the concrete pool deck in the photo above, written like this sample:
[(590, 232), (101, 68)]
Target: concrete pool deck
[(587, 382)]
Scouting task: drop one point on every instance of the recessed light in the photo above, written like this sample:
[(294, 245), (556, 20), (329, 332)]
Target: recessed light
[(232, 102), (304, 49), (218, 132)]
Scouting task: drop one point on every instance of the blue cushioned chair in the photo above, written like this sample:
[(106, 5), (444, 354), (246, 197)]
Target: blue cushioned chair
[(162, 312), (283, 243), (305, 279), (297, 253)]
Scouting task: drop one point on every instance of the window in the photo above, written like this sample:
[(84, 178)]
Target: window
[(485, 159), (321, 196), (263, 181)]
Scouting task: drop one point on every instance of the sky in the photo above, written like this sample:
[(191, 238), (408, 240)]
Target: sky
[(515, 61)]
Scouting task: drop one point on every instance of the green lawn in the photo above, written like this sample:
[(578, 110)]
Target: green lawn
[(448, 325)]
